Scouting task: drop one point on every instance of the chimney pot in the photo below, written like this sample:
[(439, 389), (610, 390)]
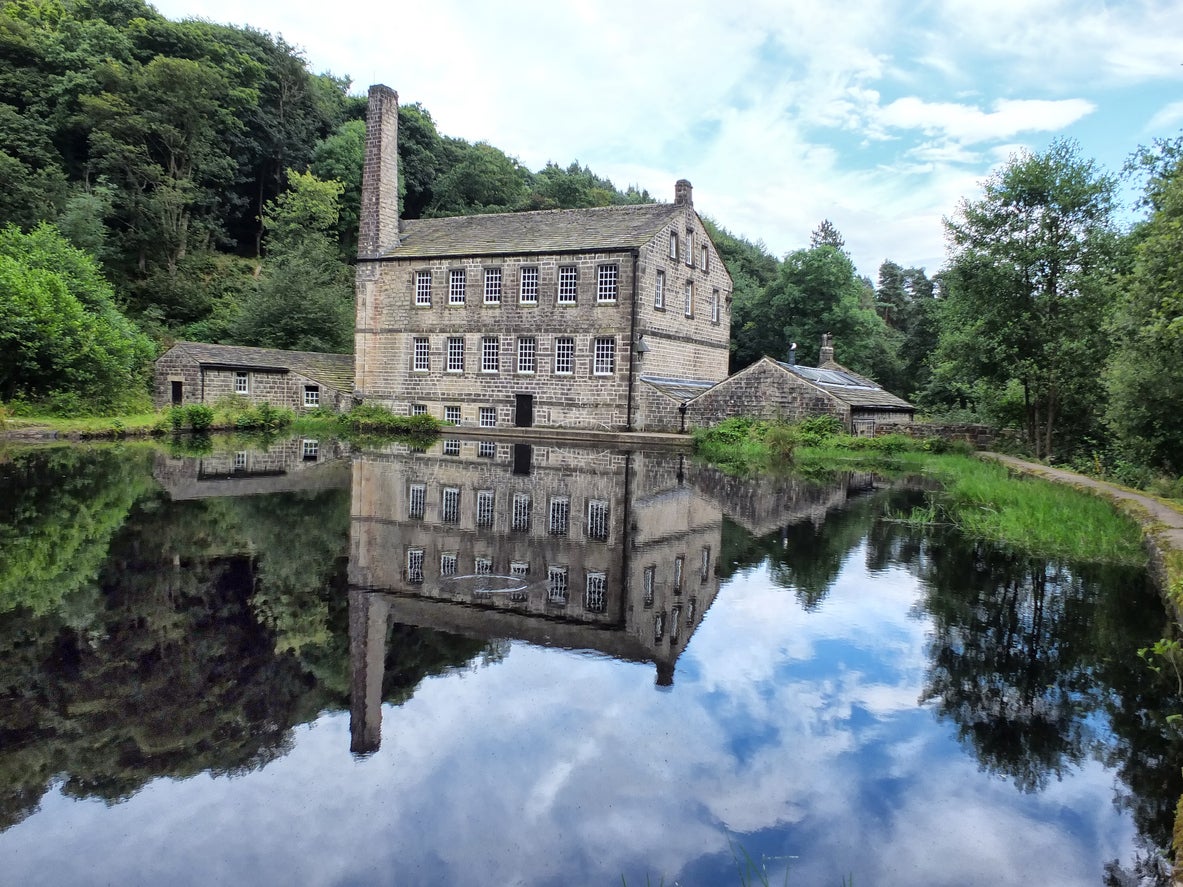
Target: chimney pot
[(827, 350)]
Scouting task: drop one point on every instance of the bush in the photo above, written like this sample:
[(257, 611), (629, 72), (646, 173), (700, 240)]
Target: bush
[(374, 419), (200, 416)]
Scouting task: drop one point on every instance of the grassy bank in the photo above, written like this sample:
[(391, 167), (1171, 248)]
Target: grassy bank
[(230, 414), (983, 499)]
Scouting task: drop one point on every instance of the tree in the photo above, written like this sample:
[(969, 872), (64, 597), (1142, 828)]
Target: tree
[(1026, 301), (1145, 375), (826, 234), (304, 297), (62, 334)]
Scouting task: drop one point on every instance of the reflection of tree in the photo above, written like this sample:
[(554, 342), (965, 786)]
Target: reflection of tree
[(214, 627), (59, 509), (1036, 663)]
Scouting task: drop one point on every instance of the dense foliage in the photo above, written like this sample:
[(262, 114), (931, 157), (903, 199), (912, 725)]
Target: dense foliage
[(215, 181)]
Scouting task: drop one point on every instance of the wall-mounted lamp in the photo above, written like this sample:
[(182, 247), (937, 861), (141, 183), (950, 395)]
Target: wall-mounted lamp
[(642, 348)]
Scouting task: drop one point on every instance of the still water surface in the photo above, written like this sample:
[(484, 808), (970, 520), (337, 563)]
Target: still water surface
[(495, 664)]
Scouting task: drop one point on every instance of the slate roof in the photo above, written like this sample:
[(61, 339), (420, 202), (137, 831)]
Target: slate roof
[(848, 387), (544, 231), (334, 370), (680, 390)]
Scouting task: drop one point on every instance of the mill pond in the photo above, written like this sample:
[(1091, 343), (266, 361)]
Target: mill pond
[(488, 663)]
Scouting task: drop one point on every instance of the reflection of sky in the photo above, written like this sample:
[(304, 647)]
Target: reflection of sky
[(794, 736)]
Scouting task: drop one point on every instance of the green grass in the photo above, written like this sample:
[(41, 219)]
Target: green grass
[(983, 499)]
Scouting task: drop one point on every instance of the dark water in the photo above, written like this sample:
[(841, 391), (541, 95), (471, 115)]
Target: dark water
[(552, 665)]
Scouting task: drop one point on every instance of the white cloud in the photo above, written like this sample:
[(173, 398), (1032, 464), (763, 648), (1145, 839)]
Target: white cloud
[(967, 124), (1167, 117)]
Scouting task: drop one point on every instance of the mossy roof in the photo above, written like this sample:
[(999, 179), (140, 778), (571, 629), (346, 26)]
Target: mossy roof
[(333, 370), (548, 231)]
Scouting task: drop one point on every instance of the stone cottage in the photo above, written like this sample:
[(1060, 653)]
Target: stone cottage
[(774, 389), (581, 318), (196, 372)]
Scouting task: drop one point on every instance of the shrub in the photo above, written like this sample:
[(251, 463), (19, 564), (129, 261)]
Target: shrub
[(374, 419), (200, 416), (176, 417)]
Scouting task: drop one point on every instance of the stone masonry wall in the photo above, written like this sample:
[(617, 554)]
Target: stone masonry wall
[(389, 322), (176, 366), (681, 346), (654, 411)]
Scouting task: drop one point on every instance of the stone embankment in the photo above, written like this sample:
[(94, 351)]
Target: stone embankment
[(1162, 530)]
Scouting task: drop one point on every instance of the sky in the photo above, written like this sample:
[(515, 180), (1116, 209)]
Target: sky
[(880, 115)]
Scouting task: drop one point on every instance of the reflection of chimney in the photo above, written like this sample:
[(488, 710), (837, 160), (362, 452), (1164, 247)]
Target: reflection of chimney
[(665, 674), (683, 193), (367, 662), (827, 352), (378, 232)]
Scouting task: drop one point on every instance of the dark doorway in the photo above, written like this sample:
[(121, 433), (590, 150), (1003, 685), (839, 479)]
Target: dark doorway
[(523, 415), (178, 392), (523, 456)]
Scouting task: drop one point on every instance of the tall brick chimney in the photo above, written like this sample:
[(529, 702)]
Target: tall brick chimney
[(683, 193), (378, 231), (827, 349)]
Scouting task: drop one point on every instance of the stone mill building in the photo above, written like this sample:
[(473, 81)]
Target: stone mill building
[(606, 318)]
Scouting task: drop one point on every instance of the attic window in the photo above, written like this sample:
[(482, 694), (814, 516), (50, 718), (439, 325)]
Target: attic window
[(690, 248), (311, 395), (703, 258), (673, 244)]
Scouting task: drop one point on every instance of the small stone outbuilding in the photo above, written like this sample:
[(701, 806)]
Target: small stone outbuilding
[(196, 372), (774, 389)]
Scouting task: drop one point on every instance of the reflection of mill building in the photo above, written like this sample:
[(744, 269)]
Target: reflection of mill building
[(576, 548)]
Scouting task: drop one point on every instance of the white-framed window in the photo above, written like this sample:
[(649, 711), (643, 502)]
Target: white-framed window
[(488, 417), (607, 277), (528, 286), (595, 594), (448, 563), (423, 288), (704, 568), (527, 354), (421, 362), (597, 520), (703, 258), (312, 396), (679, 567), (519, 568), (689, 248), (483, 566), (568, 284), (416, 500), (456, 286), (675, 619), (450, 505), (673, 244), (455, 354), (485, 500), (659, 291), (242, 384), (658, 626), (310, 450), (691, 611), (486, 449), (556, 585), (452, 446), (490, 354), (605, 356), (492, 286), (240, 460), (418, 409), (564, 355), (559, 522), (415, 565), (452, 414), (714, 306), (520, 522), (688, 299), (648, 583)]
